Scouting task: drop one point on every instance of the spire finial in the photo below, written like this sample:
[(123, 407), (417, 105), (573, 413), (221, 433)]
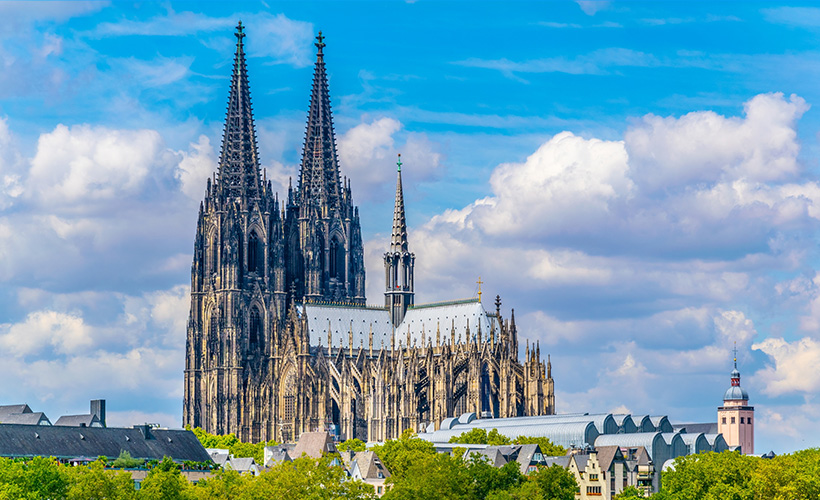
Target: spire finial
[(479, 282), (320, 42), (399, 163), (240, 34), (735, 354)]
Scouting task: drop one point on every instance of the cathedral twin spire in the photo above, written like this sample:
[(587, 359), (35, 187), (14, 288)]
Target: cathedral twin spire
[(319, 176), (239, 175)]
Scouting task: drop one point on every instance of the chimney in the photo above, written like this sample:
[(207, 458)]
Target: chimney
[(98, 410)]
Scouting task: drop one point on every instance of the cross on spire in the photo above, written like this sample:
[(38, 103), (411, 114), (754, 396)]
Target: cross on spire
[(735, 354), (399, 163), (320, 42), (239, 33), (479, 288)]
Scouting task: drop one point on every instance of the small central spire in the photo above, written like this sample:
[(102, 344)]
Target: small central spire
[(398, 241)]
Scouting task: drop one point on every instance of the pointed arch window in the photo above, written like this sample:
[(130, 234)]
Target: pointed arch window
[(255, 333), (289, 397), (254, 254), (213, 261), (337, 259)]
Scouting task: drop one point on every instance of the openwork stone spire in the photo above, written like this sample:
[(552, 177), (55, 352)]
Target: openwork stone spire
[(239, 163), (398, 241), (319, 176)]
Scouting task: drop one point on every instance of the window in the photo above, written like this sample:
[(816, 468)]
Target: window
[(254, 254), (255, 332), (594, 491), (593, 477), (379, 490), (742, 420), (733, 419), (723, 420), (749, 420)]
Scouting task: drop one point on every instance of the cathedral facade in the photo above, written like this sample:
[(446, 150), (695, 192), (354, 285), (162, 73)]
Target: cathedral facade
[(280, 340)]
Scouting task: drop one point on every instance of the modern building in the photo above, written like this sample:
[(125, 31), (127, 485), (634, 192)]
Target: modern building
[(280, 340), (736, 416)]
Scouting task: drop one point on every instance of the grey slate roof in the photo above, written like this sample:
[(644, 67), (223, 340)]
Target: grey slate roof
[(14, 409), (705, 428), (71, 442), (30, 418), (422, 320), (78, 421)]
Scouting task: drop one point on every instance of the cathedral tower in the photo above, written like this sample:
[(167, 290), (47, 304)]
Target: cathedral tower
[(237, 278), (324, 251), (735, 417), (398, 262)]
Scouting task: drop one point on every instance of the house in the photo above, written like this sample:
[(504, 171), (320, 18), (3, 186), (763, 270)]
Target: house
[(368, 468), (528, 456), (314, 445), (277, 454)]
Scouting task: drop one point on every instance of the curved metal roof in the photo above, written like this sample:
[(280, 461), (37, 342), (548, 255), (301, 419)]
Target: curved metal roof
[(625, 423), (696, 442), (604, 422), (717, 442), (564, 434), (652, 441), (661, 423), (736, 393)]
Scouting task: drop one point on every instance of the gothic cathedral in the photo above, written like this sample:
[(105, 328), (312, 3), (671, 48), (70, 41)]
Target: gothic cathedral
[(280, 340)]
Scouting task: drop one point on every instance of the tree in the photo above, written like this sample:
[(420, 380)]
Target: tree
[(436, 476), (399, 454), (36, 478), (96, 483), (555, 483), (164, 482), (792, 476), (124, 461), (711, 476), (303, 478), (352, 445), (481, 436), (548, 448), (629, 493), (231, 443)]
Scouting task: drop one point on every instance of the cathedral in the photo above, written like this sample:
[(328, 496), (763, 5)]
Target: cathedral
[(280, 339)]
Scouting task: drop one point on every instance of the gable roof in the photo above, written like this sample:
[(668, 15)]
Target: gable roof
[(78, 421), (314, 445), (30, 418), (70, 442), (14, 409), (607, 455)]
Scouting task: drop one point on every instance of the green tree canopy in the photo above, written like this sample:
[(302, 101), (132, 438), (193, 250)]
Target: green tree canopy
[(399, 454), (481, 436), (231, 443), (711, 476), (352, 445), (548, 448)]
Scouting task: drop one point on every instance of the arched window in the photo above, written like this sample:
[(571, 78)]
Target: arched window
[(337, 259), (254, 254), (213, 251), (289, 397), (213, 328), (255, 332)]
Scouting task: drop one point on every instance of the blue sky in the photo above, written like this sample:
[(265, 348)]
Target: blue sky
[(639, 180)]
